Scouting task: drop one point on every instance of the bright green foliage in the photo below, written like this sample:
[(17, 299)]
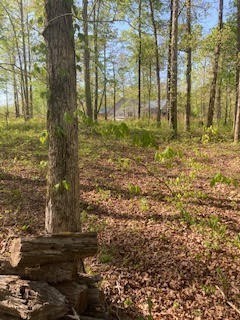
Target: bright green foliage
[(134, 189), (43, 137), (115, 130), (143, 138), (167, 154), (220, 178), (211, 134)]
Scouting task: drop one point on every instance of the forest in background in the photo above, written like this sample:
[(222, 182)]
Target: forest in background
[(135, 59)]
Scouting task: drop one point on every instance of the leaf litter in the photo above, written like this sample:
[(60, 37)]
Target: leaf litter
[(169, 242)]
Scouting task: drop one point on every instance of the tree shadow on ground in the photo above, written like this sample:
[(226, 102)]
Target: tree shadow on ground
[(22, 202)]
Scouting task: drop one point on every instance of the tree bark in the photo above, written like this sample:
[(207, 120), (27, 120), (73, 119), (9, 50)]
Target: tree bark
[(48, 273), (15, 89), (169, 61), (56, 248), (157, 62), (189, 65), (96, 58), (86, 58), (219, 101), (174, 71), (114, 91), (237, 107), (237, 122), (139, 56), (24, 50), (30, 71), (105, 80), (62, 209), (22, 299), (215, 67), (149, 91)]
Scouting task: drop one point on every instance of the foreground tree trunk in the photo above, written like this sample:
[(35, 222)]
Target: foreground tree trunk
[(215, 67), (62, 210)]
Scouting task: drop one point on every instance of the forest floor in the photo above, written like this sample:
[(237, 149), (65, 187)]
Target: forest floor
[(167, 215)]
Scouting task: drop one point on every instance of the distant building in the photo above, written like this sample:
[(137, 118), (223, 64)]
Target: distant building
[(128, 109)]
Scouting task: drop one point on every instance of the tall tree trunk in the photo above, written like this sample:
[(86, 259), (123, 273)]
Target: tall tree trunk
[(24, 49), (237, 112), (105, 80), (174, 73), (157, 62), (149, 91), (169, 61), (215, 67), (15, 89), (219, 101), (114, 91), (88, 95), (7, 105), (139, 56), (62, 209), (238, 59), (30, 70), (189, 65), (237, 122), (96, 58), (226, 105)]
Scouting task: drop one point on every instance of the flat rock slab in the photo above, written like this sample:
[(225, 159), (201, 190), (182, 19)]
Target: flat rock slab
[(30, 300)]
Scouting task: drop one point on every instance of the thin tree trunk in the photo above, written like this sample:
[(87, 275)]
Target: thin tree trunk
[(7, 105), (139, 56), (149, 92), (237, 107), (62, 208), (238, 59), (15, 89), (174, 75), (105, 81), (96, 58), (30, 70), (157, 63), (88, 95), (114, 92), (215, 67), (237, 122), (189, 65), (226, 106), (219, 101), (169, 61), (24, 49)]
